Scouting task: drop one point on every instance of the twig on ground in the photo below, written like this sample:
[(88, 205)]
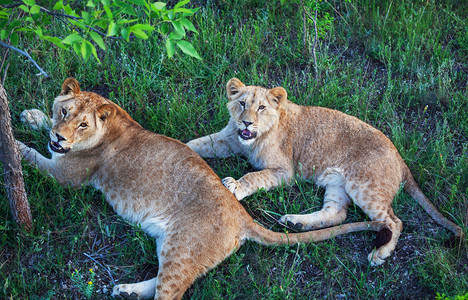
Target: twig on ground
[(105, 267)]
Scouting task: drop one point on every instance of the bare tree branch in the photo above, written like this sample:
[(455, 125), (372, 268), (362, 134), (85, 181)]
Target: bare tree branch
[(78, 18), (314, 19), (41, 72), (58, 14)]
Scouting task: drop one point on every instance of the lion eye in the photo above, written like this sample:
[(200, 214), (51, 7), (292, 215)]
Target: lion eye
[(64, 112), (261, 107), (242, 103), (83, 125)]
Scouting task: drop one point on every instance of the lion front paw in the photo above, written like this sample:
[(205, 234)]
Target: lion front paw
[(23, 148), (121, 292), (293, 221), (35, 119), (233, 185)]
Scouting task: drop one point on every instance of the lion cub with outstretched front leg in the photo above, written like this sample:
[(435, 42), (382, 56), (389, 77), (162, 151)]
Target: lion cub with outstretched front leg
[(154, 181), (352, 160)]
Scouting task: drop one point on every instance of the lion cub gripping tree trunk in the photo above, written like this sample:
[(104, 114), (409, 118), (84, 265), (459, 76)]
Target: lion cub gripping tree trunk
[(352, 160), (154, 181)]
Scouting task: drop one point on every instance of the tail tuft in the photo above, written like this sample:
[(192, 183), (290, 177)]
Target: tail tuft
[(383, 236)]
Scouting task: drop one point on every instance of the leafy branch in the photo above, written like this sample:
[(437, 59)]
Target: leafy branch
[(86, 29)]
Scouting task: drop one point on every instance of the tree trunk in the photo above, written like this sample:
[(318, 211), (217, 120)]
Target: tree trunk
[(13, 173)]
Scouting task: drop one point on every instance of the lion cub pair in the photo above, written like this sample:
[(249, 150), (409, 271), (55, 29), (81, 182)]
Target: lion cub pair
[(164, 186)]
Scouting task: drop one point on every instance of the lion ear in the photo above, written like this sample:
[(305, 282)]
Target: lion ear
[(279, 95), (233, 86), (106, 112), (70, 87)]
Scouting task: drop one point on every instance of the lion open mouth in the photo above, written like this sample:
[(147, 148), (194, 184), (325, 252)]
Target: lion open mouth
[(54, 146), (247, 134)]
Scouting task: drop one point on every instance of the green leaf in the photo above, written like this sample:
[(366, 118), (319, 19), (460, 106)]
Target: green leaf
[(170, 47), (187, 48), (3, 34), (86, 17), (125, 21), (35, 9), (138, 2), (72, 38), (29, 2), (187, 24), (178, 27), (54, 40), (68, 10), (77, 48), (4, 15), (78, 24), (109, 13), (185, 11), (24, 7), (175, 35), (90, 4), (86, 49), (101, 23), (157, 6), (190, 13), (125, 7), (98, 39), (139, 33), (93, 51), (112, 29), (125, 33), (58, 5), (145, 27), (22, 29), (164, 29), (14, 38), (181, 3), (38, 31), (106, 2)]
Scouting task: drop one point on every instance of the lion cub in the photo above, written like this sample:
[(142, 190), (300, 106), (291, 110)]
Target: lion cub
[(352, 160), (157, 182)]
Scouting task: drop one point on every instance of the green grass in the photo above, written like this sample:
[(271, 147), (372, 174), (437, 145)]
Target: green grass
[(401, 66)]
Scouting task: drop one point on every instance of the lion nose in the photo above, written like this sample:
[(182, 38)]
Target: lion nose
[(60, 138), (246, 123)]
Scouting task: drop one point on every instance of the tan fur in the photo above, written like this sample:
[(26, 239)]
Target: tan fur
[(159, 183), (351, 159)]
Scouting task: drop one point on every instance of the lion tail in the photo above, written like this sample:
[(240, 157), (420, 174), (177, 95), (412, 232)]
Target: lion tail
[(267, 237), (412, 188)]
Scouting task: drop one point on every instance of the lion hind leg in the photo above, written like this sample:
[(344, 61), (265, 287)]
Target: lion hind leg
[(182, 259), (382, 248), (334, 211), (376, 203)]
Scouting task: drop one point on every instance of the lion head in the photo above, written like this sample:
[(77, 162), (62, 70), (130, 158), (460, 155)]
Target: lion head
[(80, 119), (254, 109)]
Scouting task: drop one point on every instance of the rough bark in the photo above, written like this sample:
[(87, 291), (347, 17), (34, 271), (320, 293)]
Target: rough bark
[(13, 173)]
